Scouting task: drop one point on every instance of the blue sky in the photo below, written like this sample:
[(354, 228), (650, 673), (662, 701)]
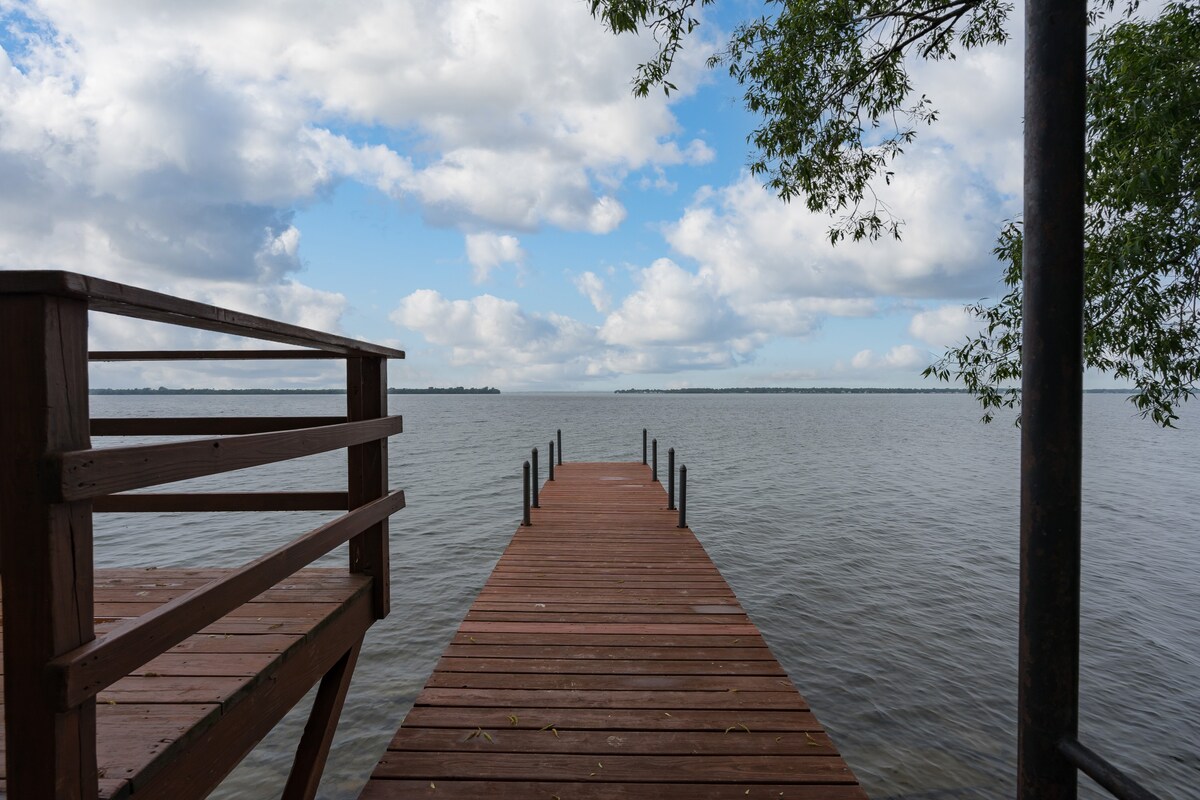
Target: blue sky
[(474, 182)]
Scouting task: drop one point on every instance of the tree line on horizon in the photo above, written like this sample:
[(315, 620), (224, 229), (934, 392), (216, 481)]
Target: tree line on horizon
[(391, 390)]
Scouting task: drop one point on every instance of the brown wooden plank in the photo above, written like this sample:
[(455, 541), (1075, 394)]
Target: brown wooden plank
[(601, 654), (81, 474), (596, 769), (646, 617), (605, 639), (203, 426), (169, 502), (626, 719), (608, 682), (620, 605), (606, 666), (210, 355), (737, 741), (129, 301), (612, 699), (698, 628), (547, 790), (606, 652)]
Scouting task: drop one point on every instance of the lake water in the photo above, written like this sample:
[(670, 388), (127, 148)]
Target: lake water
[(873, 539)]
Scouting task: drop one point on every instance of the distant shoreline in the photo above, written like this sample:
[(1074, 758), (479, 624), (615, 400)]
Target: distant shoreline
[(162, 390), (827, 390)]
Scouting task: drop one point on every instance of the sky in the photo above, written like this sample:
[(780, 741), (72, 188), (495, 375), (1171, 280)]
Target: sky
[(474, 182)]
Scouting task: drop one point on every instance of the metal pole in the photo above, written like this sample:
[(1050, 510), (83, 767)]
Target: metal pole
[(654, 448), (643, 445), (682, 496), (550, 462), (536, 478), (560, 447), (525, 520), (671, 479), (1051, 396)]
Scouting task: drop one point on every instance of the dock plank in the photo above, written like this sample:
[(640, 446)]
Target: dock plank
[(606, 657)]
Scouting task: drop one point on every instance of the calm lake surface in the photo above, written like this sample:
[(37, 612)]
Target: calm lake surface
[(873, 539)]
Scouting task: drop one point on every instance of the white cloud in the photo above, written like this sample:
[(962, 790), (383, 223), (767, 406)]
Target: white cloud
[(901, 357), (758, 248), (671, 307), (943, 326), (486, 251), (496, 334), (591, 286), (178, 139)]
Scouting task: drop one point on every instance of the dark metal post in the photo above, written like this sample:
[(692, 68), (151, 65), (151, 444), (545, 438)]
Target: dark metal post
[(550, 461), (682, 496), (643, 445), (654, 448), (671, 479), (525, 520), (536, 479), (560, 447), (1051, 396)]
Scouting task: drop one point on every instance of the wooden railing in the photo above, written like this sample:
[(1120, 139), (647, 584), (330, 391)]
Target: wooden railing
[(52, 480)]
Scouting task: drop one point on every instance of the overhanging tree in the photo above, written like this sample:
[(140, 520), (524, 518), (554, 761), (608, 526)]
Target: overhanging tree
[(829, 80), (830, 83), (1142, 229)]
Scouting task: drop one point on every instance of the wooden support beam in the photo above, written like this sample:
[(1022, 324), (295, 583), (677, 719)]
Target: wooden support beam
[(46, 545), (366, 399), (215, 752), (313, 750)]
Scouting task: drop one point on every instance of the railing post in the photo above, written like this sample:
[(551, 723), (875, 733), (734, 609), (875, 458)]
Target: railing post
[(536, 479), (654, 449), (45, 545), (525, 518), (682, 497), (643, 446), (671, 479), (550, 461), (559, 436), (1051, 396), (367, 478)]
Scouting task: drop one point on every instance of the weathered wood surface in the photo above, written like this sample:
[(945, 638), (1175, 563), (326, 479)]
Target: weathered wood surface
[(81, 474), (606, 657), (191, 713), (46, 547), (130, 301), (203, 426)]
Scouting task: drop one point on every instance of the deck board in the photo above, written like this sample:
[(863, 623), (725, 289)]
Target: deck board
[(145, 720), (606, 657)]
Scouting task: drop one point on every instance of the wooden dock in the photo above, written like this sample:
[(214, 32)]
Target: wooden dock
[(606, 657), (155, 683)]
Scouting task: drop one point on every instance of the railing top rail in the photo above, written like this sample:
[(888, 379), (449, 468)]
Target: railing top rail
[(130, 301)]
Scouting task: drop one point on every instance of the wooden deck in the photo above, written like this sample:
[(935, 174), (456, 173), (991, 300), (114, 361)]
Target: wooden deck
[(212, 693), (606, 657)]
